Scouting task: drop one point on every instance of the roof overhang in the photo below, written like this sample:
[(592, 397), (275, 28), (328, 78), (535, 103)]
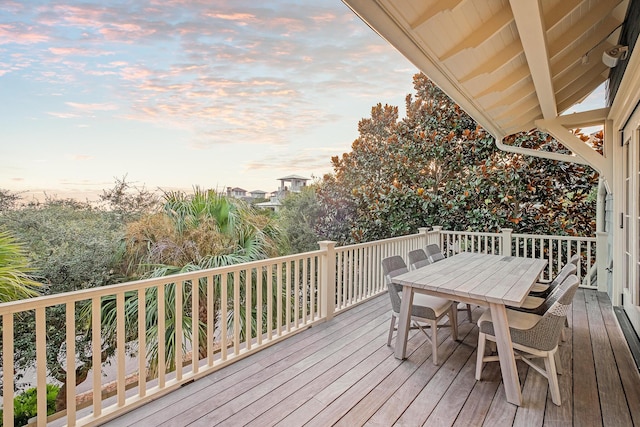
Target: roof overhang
[(512, 65)]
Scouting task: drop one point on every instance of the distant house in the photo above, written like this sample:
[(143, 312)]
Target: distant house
[(236, 192), (290, 183), (258, 194), (273, 204), (295, 184)]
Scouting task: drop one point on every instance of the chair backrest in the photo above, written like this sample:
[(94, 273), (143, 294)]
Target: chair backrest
[(418, 258), (565, 271), (434, 253), (392, 267), (575, 259), (554, 294), (546, 333)]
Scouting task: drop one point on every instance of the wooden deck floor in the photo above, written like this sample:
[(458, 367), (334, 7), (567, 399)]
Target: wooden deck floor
[(342, 373)]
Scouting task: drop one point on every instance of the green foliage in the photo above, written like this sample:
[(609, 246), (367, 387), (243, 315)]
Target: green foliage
[(15, 274), (25, 405), (437, 167), (192, 232), (298, 216), (8, 200), (71, 246), (129, 200), (203, 228)]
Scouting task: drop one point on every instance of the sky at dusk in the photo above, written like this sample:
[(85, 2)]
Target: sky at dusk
[(179, 93)]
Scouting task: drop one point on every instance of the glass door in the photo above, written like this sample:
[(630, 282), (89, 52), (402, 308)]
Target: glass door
[(631, 222)]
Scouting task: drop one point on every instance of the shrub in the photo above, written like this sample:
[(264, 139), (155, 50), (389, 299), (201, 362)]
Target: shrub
[(25, 405)]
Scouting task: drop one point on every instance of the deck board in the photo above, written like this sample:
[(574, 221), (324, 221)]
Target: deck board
[(342, 373)]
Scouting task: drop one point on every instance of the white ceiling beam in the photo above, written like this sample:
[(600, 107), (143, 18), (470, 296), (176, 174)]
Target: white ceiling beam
[(584, 85), (558, 13), (569, 57), (496, 62), (479, 35), (580, 95), (380, 20), (522, 92), (520, 109), (529, 20), (584, 118), (513, 78), (603, 165), (579, 69), (438, 7), (586, 23)]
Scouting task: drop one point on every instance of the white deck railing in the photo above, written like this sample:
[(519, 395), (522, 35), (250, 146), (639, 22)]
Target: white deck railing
[(239, 310)]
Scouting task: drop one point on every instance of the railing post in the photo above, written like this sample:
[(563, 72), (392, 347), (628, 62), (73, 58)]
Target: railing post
[(425, 237), (436, 231), (505, 246), (328, 279), (602, 254)]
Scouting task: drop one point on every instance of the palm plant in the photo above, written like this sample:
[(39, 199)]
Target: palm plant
[(192, 232), (15, 280)]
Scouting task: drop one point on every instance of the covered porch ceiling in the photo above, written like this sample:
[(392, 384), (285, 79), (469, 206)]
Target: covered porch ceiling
[(510, 64)]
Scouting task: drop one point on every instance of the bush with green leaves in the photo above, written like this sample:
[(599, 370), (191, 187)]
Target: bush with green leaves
[(298, 217), (25, 405), (71, 246), (436, 166)]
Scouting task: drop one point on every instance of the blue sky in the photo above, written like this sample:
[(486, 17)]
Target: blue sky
[(178, 93)]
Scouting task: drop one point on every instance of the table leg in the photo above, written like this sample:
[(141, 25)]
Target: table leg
[(404, 322), (505, 353)]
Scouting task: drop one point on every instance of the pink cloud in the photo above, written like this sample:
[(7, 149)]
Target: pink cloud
[(92, 107), (81, 157), (10, 33)]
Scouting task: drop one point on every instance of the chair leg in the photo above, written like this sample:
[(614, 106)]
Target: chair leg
[(552, 377), (393, 324), (558, 364), (434, 341), (453, 320), (482, 340)]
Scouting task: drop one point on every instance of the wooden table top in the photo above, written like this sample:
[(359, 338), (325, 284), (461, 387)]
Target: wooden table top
[(480, 277)]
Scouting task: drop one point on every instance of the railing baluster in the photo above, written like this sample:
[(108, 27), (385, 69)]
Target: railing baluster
[(121, 340), (287, 283), (362, 291), (236, 313), (259, 304), (279, 300), (211, 297), (248, 308), (305, 284), (41, 366), (195, 325), (178, 319), (224, 314), (142, 343), (269, 301), (7, 363), (162, 320), (96, 354), (296, 292), (579, 251), (70, 313)]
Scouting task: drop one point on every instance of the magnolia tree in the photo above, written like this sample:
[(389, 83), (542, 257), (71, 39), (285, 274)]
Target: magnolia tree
[(436, 166)]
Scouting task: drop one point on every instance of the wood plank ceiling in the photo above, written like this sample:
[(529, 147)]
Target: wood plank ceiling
[(507, 63)]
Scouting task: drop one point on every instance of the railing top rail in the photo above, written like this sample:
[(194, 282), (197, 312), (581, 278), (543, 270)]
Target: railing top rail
[(471, 233), (553, 237), (85, 294), (378, 242)]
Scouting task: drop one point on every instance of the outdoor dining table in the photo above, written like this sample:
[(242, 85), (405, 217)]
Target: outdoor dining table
[(495, 281)]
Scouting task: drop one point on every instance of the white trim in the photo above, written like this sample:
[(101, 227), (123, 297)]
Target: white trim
[(528, 17)]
